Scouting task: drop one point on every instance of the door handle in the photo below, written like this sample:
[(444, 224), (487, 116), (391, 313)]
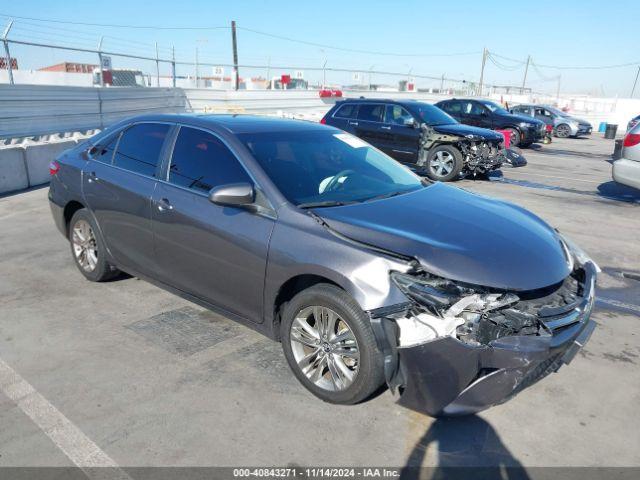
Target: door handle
[(355, 124), (164, 205), (385, 128), (92, 177)]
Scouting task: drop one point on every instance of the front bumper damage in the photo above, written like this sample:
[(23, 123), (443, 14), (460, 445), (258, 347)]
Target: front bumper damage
[(448, 376)]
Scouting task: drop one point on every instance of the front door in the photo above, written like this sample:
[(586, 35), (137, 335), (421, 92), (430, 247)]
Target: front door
[(401, 136), (213, 252), (118, 183)]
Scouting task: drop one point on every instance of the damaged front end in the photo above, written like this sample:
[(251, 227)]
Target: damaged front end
[(480, 155), (456, 349)]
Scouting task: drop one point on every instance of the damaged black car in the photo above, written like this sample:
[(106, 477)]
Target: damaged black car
[(366, 273), (429, 140)]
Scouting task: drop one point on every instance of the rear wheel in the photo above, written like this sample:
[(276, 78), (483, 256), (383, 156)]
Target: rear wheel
[(563, 130), (329, 345), (87, 248), (444, 163)]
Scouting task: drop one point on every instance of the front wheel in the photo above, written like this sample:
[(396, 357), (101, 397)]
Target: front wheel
[(516, 138), (563, 131), (444, 163), (329, 345)]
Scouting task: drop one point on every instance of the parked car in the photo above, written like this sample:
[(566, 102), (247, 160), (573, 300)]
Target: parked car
[(626, 170), (564, 125), (486, 114), (633, 122), (364, 271), (420, 135)]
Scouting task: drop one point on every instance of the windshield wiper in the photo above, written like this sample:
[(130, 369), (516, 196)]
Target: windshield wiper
[(326, 203)]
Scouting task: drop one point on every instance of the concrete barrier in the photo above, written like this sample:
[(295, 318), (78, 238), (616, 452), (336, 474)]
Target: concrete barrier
[(13, 169), (38, 156)]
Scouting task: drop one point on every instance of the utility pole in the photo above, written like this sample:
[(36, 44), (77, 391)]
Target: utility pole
[(234, 43), (526, 70), (6, 51), (157, 67), (269, 70), (633, 90), (197, 68), (442, 83), (485, 52), (173, 65), (558, 91), (324, 74), (100, 60)]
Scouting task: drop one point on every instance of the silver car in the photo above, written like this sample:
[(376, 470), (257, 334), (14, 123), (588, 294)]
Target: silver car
[(564, 125), (626, 170)]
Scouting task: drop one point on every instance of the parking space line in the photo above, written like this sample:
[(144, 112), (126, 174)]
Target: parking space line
[(79, 448)]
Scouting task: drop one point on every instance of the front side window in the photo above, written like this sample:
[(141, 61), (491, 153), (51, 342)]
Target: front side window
[(347, 111), (472, 108), (323, 168), (371, 112), (201, 161), (140, 146), (396, 115)]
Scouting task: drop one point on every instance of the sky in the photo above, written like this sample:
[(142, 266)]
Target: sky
[(408, 37)]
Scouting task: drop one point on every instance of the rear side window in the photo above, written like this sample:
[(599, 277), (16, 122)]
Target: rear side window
[(371, 112), (452, 107), (201, 161), (347, 111), (103, 152), (139, 148)]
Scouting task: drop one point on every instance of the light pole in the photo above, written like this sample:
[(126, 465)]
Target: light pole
[(370, 69)]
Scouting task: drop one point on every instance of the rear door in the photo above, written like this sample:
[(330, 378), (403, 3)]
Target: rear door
[(401, 138), (213, 252), (367, 126), (343, 117), (118, 184)]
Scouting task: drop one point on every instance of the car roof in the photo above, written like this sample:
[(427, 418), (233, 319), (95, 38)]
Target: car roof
[(234, 123), (407, 102)]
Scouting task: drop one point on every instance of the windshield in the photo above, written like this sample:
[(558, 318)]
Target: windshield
[(556, 111), (494, 107), (325, 168), (432, 115)]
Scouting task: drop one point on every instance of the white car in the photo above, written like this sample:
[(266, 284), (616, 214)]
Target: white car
[(627, 169)]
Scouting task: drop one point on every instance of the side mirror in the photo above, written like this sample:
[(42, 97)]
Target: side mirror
[(410, 122), (233, 195)]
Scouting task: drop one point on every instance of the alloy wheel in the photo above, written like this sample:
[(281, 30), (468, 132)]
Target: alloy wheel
[(325, 348), (84, 245), (442, 163), (563, 131)]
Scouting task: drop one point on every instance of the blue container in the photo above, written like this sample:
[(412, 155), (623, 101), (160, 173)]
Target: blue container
[(603, 127)]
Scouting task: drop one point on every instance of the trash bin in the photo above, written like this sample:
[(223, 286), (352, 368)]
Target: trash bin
[(611, 130)]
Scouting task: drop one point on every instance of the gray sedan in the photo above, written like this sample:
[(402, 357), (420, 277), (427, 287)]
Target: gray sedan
[(564, 125), (626, 170), (365, 272)]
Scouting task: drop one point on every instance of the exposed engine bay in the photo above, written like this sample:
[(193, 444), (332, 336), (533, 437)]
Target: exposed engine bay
[(479, 154)]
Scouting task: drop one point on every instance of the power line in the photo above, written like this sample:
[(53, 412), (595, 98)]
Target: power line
[(353, 50)]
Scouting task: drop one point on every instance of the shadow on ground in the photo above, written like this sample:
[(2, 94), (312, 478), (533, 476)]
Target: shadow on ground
[(468, 447)]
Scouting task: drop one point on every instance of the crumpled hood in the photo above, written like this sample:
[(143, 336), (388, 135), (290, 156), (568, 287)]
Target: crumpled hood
[(459, 235), (464, 130)]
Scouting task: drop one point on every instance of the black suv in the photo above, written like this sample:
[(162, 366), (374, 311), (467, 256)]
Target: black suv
[(421, 135), (484, 113)]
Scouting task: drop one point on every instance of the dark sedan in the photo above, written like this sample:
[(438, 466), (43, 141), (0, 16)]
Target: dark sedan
[(366, 273)]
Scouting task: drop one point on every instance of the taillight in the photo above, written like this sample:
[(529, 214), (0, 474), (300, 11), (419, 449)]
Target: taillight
[(323, 121), (631, 140), (54, 167)]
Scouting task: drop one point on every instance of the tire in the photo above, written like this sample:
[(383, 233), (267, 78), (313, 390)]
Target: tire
[(563, 131), (444, 163), (87, 248), (515, 137), (362, 359)]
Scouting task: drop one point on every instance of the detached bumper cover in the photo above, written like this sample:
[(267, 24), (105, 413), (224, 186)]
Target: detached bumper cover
[(448, 376)]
